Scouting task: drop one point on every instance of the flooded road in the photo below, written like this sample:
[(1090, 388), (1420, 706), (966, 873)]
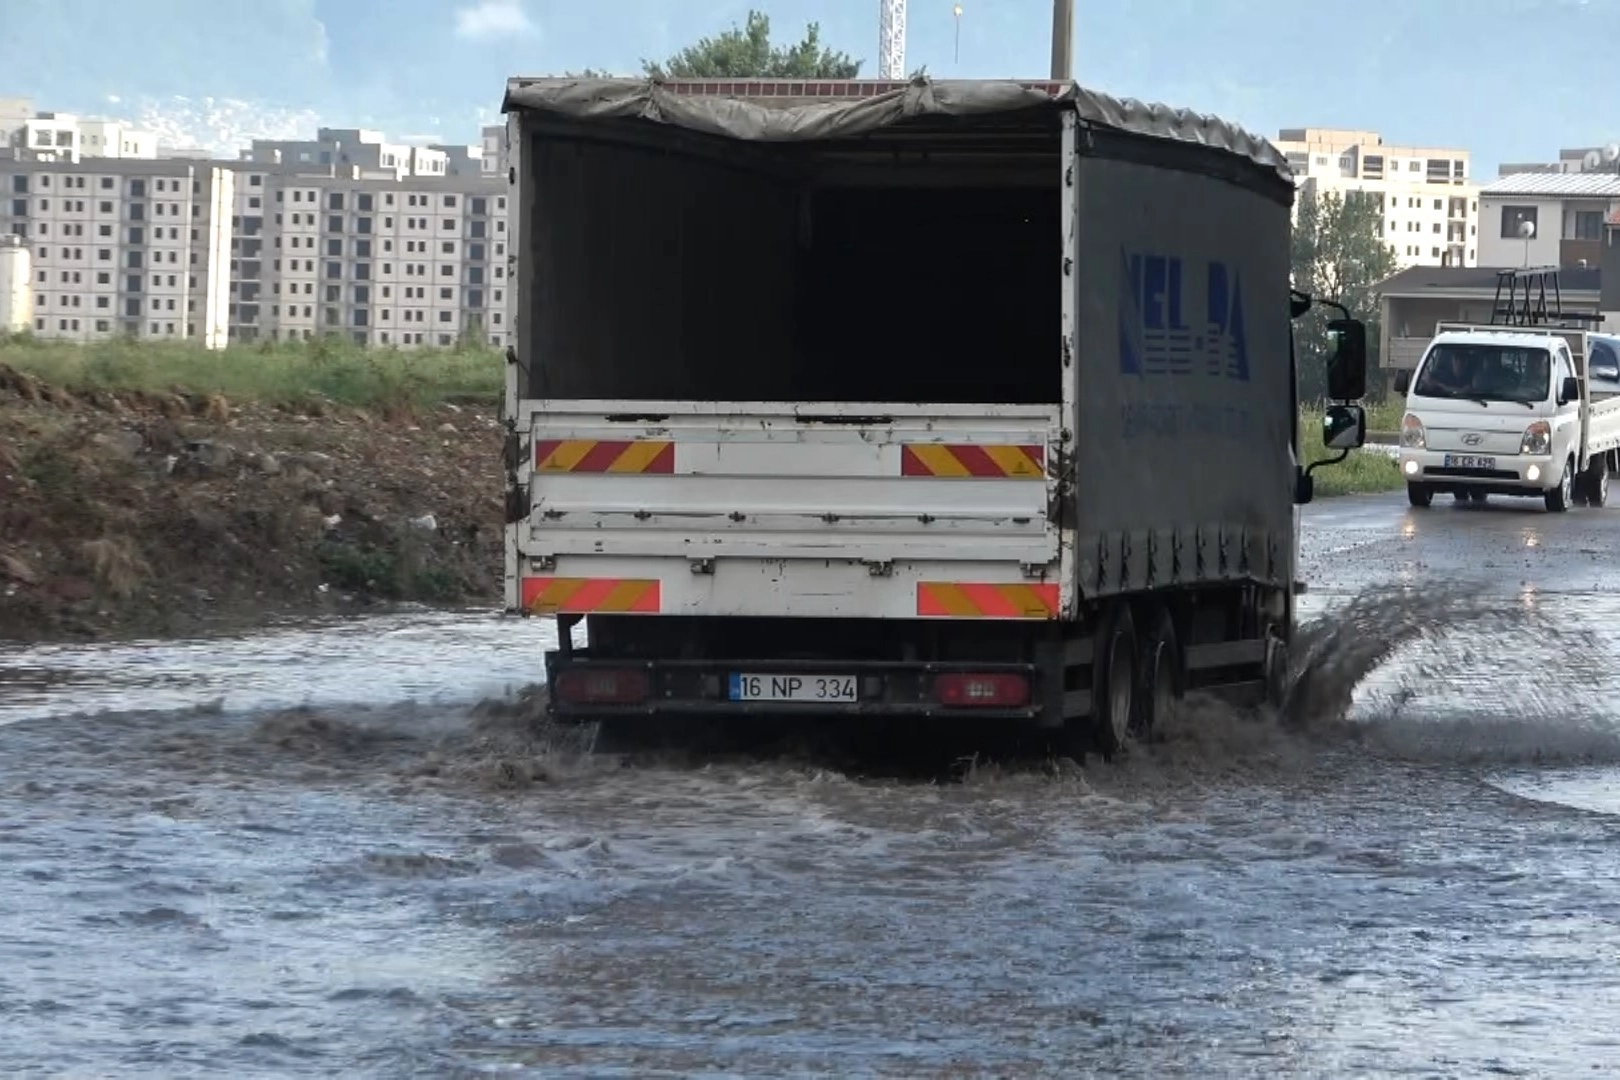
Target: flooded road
[(335, 851)]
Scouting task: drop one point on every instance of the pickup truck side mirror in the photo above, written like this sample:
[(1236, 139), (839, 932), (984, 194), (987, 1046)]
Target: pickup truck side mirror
[(1344, 427), (1570, 391), (1605, 371), (1347, 366), (1403, 381)]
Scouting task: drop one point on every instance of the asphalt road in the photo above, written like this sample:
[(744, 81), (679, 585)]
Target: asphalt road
[(1353, 542)]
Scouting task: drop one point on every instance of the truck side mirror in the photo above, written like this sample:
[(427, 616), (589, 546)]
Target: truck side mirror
[(1570, 391), (1344, 427), (1347, 366), (1403, 381)]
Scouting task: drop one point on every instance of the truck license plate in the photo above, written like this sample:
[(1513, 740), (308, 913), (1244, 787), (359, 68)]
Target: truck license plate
[(826, 689), (1469, 461)]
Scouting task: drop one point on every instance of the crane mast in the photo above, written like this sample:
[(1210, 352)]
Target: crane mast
[(892, 39)]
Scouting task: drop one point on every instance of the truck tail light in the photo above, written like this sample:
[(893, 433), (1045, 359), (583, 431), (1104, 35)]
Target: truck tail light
[(603, 686), (994, 691)]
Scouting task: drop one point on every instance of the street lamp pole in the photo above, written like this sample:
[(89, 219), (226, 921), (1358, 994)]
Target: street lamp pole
[(1062, 40)]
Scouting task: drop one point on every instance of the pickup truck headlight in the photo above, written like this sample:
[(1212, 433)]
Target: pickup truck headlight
[(1537, 439), (1413, 437)]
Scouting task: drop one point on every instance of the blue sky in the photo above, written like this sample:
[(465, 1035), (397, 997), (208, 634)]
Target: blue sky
[(1509, 79)]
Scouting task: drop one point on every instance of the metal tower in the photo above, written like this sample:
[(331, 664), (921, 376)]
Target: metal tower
[(892, 39)]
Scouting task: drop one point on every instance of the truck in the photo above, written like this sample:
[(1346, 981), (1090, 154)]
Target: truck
[(929, 400), (1509, 407)]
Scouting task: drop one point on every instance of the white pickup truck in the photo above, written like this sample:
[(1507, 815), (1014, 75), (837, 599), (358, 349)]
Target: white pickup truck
[(1509, 410)]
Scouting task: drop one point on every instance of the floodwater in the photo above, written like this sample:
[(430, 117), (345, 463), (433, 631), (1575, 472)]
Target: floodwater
[(343, 850)]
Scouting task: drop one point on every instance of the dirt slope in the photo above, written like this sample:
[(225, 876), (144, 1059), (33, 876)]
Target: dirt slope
[(137, 513)]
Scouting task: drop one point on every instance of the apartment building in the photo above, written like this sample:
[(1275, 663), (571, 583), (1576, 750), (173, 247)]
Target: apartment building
[(384, 243), (492, 142), (1566, 214), (1572, 159), (1430, 204), (51, 136), (130, 247), (360, 149), (419, 261)]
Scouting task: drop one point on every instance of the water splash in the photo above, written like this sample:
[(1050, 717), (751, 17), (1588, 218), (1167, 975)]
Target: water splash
[(1455, 672)]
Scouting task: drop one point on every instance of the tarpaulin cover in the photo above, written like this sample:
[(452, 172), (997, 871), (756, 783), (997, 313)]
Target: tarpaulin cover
[(772, 116)]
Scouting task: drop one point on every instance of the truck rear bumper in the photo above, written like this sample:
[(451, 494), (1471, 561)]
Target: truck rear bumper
[(584, 688)]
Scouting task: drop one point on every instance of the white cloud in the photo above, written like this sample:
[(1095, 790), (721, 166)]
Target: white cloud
[(493, 19)]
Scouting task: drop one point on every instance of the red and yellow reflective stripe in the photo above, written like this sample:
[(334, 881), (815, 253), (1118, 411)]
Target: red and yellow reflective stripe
[(964, 600), (973, 460), (591, 596), (604, 456)]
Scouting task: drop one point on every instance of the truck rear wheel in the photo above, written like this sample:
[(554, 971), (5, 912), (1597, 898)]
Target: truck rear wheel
[(1595, 482), (1113, 681), (1161, 679), (1419, 495), (1558, 499)]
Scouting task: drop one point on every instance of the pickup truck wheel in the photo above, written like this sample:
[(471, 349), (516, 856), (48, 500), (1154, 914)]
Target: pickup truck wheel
[(1419, 496), (1595, 482), (1478, 497), (1160, 679), (1113, 682), (1560, 498)]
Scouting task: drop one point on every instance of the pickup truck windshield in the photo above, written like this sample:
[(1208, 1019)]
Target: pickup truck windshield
[(1485, 373)]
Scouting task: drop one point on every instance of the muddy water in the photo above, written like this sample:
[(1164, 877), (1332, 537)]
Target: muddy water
[(316, 853)]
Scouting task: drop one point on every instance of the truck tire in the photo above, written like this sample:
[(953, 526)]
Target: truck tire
[(1595, 482), (1419, 495), (1559, 499), (1478, 497), (1278, 669), (1113, 681), (1161, 678)]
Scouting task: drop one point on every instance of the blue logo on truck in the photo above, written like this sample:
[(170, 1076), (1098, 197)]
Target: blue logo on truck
[(1165, 331)]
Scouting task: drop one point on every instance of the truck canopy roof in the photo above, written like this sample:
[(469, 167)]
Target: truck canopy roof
[(781, 110)]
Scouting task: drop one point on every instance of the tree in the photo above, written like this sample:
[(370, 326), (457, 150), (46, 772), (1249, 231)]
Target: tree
[(1339, 253), (746, 52)]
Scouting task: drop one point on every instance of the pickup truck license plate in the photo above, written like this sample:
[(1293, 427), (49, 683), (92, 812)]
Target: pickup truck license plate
[(1469, 461), (823, 689)]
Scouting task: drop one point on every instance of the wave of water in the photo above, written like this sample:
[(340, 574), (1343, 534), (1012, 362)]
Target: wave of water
[(317, 877)]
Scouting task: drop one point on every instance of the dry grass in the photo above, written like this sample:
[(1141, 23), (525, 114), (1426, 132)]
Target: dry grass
[(117, 566)]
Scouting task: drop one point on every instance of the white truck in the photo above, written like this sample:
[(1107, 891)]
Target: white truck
[(916, 400), (1509, 410)]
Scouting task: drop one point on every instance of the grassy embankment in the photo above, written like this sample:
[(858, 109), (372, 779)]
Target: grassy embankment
[(274, 374), (1364, 471), (152, 488), (305, 374)]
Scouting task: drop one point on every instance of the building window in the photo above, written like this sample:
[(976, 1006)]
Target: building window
[(1584, 225), (1513, 217)]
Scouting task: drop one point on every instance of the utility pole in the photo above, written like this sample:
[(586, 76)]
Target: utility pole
[(1062, 40)]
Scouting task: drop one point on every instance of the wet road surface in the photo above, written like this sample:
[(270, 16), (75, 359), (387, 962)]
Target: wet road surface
[(315, 853)]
